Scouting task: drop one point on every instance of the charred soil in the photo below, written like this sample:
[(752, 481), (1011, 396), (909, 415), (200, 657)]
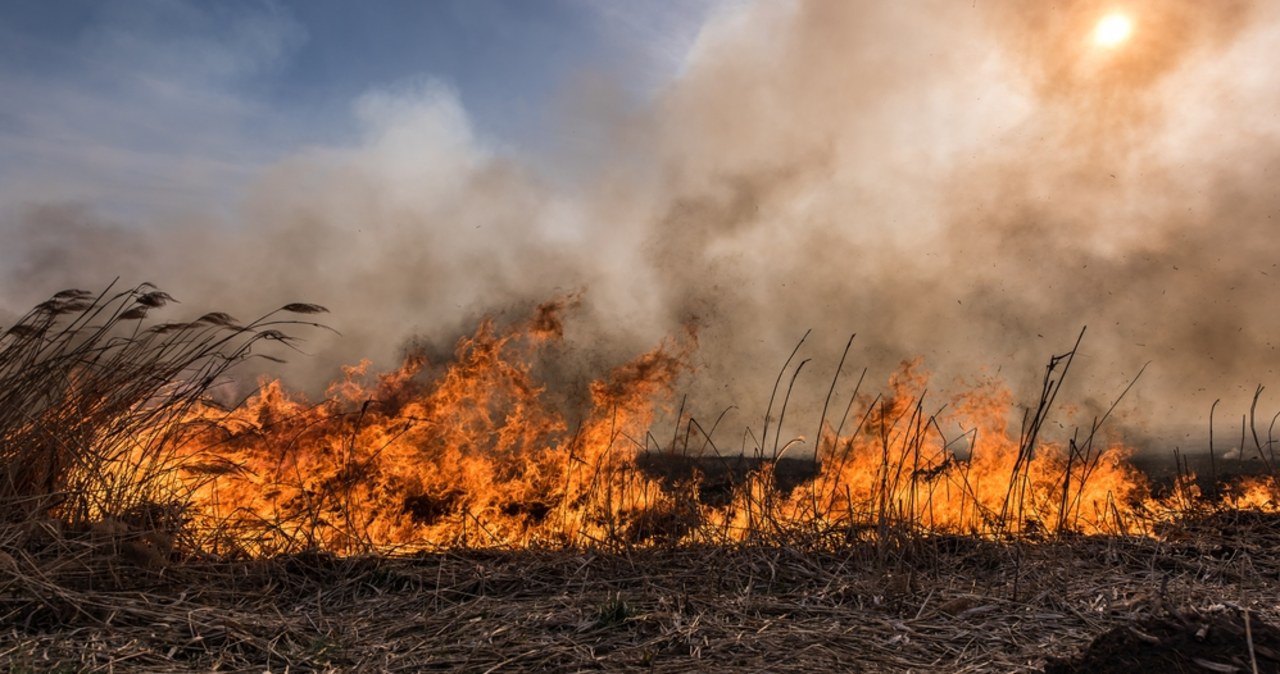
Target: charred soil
[(1220, 639)]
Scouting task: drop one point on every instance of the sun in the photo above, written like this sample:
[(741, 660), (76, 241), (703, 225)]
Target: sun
[(1112, 30)]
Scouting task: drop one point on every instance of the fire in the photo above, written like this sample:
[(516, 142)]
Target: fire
[(488, 448), (1255, 492), (1112, 30), (898, 468), (473, 454)]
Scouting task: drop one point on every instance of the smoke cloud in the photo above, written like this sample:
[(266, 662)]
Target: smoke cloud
[(970, 183)]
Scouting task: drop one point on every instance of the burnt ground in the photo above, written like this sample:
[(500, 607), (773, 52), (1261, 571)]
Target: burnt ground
[(1218, 639), (894, 603), (1211, 472), (722, 474)]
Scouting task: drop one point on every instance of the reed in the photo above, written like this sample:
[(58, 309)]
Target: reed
[(93, 396)]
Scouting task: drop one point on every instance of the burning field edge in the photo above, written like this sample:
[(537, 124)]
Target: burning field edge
[(464, 513), (911, 603)]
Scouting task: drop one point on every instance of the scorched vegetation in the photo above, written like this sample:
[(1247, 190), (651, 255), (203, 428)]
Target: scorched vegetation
[(460, 515)]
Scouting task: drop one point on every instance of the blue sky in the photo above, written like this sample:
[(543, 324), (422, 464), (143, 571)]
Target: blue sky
[(138, 105)]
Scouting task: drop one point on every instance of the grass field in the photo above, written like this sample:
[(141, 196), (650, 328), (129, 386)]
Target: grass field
[(453, 516), (919, 604)]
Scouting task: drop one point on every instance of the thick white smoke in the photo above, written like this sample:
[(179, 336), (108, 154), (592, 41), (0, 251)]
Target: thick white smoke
[(966, 182)]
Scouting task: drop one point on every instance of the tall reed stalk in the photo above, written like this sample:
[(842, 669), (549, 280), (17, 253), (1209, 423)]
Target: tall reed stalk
[(93, 395)]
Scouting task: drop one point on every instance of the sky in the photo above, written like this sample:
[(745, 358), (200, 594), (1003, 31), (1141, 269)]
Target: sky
[(146, 105), (967, 183)]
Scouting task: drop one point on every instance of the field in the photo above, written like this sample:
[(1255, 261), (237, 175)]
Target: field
[(451, 516), (920, 604)]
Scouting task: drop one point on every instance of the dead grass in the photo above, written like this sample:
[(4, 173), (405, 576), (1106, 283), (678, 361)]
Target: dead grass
[(92, 399), (952, 604), (95, 575)]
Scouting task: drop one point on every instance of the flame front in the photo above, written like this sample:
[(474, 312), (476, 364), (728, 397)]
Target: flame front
[(899, 468), (474, 453), (472, 456)]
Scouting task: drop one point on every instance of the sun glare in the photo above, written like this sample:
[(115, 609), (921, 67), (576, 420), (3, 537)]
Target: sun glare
[(1112, 30)]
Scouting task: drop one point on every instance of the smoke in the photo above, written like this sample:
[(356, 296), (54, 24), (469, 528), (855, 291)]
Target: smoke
[(971, 183), (976, 184)]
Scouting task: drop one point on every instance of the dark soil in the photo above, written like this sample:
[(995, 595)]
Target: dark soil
[(1182, 641), (721, 475)]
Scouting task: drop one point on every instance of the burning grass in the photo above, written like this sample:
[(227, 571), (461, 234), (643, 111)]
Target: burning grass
[(457, 514)]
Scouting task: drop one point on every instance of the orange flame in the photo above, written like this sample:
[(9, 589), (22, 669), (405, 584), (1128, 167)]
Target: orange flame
[(475, 455), (900, 469), (474, 452)]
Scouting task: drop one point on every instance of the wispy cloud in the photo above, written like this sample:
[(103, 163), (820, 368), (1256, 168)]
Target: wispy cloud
[(149, 107), (659, 35)]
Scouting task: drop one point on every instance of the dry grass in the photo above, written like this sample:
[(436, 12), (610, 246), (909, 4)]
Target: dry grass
[(936, 604), (99, 571), (92, 400)]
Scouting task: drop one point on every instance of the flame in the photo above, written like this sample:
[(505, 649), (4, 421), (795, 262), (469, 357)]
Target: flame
[(899, 468), (1255, 493), (474, 454), (483, 451)]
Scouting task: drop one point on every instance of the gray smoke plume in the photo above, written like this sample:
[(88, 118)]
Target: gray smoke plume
[(970, 183)]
